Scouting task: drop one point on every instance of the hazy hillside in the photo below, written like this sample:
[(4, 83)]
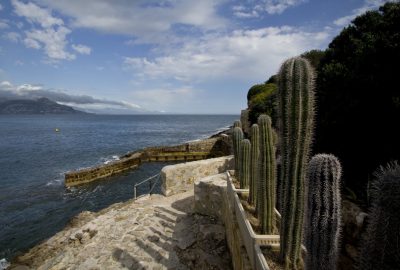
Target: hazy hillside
[(39, 106)]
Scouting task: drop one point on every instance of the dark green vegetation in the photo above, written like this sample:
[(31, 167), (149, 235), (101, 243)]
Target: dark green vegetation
[(261, 99), (356, 88), (324, 212), (40, 106), (358, 104), (380, 249)]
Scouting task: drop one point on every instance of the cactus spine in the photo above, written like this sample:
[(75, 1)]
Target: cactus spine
[(237, 123), (245, 163), (237, 138), (267, 175), (254, 171), (296, 108), (323, 212), (380, 247)]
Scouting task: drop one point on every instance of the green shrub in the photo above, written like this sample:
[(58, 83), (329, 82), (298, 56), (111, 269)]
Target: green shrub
[(262, 101)]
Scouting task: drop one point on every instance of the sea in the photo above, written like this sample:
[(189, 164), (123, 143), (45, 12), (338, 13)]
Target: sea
[(37, 150)]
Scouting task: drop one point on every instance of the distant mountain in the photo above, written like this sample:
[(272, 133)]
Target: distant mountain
[(39, 106)]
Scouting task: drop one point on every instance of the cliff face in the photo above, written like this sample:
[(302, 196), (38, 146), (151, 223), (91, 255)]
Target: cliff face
[(40, 106)]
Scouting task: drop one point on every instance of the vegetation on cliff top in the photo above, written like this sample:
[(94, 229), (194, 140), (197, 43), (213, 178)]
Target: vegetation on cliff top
[(358, 100)]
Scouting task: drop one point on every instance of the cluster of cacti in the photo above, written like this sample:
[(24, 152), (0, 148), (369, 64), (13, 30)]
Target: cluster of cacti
[(296, 109), (244, 164), (381, 246), (237, 139), (267, 175), (323, 213), (257, 168), (254, 171), (237, 123)]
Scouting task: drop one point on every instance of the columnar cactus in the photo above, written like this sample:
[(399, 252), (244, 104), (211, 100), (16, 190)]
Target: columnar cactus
[(237, 123), (323, 212), (296, 109), (237, 138), (267, 177), (254, 171), (245, 163), (380, 247)]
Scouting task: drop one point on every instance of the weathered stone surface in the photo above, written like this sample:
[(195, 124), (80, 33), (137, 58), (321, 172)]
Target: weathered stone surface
[(180, 178), (211, 199), (207, 195), (117, 238)]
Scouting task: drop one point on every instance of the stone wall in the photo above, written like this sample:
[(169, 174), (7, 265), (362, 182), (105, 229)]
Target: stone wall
[(211, 199), (213, 147), (90, 174), (180, 178)]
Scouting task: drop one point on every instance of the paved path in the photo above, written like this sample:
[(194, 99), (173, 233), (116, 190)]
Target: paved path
[(157, 233)]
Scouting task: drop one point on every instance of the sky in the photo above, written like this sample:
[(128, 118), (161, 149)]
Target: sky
[(166, 56)]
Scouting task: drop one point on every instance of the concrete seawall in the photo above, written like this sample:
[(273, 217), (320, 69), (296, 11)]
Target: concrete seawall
[(191, 151)]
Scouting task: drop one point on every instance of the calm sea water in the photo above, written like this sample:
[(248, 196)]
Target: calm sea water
[(34, 204)]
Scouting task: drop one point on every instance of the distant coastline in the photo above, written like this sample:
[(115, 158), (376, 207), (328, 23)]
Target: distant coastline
[(39, 106)]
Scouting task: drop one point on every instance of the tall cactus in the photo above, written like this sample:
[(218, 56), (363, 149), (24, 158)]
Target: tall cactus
[(237, 138), (380, 248), (237, 123), (267, 177), (245, 163), (296, 109), (323, 212), (254, 171)]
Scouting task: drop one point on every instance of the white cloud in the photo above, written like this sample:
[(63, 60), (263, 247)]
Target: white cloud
[(5, 85), (12, 36), (242, 54), (148, 21), (35, 91), (279, 6), (255, 8), (368, 5), (53, 41), (28, 87), (4, 24), (82, 49), (165, 99), (32, 43), (47, 32), (36, 14), (19, 25), (19, 63)]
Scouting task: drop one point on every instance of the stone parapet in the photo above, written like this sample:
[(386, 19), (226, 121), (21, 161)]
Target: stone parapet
[(211, 199), (180, 177)]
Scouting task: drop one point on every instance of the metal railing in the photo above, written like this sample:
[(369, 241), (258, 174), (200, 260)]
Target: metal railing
[(151, 186)]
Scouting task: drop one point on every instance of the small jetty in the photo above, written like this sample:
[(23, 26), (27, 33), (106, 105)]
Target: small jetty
[(216, 146)]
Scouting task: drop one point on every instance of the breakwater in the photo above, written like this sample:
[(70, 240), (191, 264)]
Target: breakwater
[(216, 146)]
